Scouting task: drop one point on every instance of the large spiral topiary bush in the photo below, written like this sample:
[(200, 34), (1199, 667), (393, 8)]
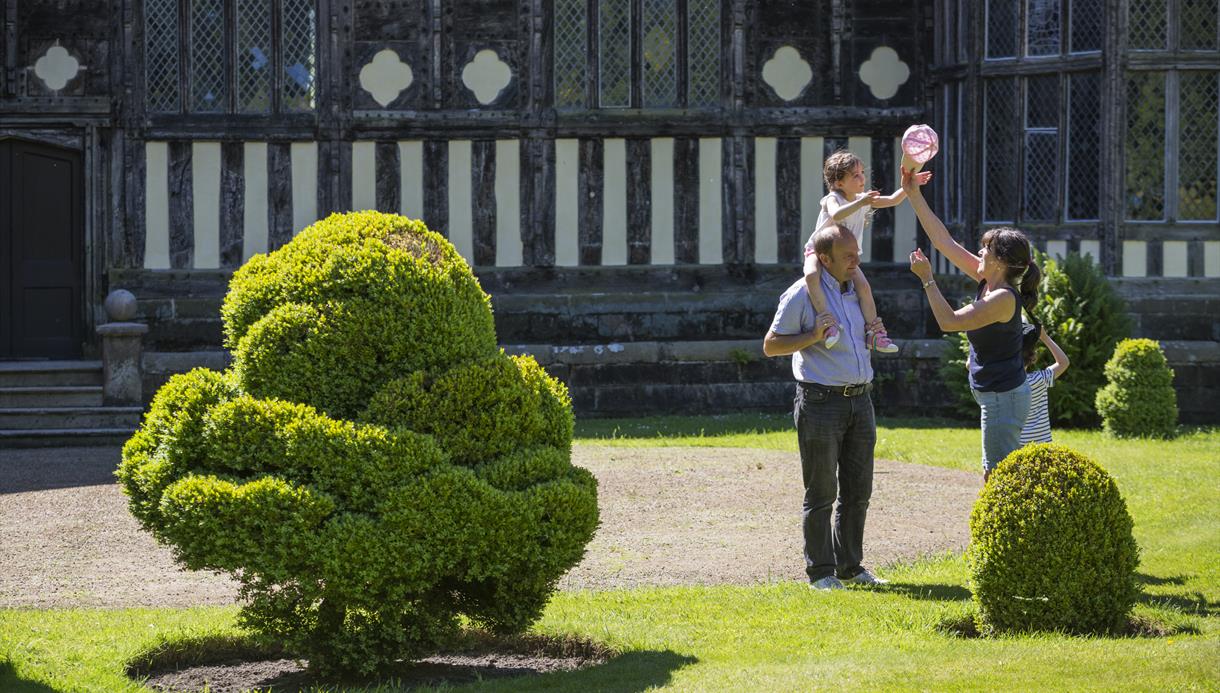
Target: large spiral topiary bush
[(1051, 547), (1138, 400), (372, 467)]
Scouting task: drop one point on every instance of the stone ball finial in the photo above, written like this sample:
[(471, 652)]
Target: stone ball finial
[(121, 305)]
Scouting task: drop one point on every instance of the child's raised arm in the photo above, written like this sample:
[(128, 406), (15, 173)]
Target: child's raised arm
[(840, 212), (895, 198), (1061, 357)]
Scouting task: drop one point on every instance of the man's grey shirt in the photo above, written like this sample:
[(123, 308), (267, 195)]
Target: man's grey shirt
[(849, 362)]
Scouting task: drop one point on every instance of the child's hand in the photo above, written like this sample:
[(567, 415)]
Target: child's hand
[(920, 265), (923, 177)]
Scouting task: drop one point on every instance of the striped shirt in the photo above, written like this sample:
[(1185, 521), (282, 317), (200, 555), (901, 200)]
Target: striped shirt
[(1038, 425)]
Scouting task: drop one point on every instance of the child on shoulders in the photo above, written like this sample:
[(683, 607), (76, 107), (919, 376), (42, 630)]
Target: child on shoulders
[(849, 204), (1038, 424)]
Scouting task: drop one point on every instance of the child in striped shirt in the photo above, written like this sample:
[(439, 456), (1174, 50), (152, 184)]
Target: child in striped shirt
[(1038, 425)]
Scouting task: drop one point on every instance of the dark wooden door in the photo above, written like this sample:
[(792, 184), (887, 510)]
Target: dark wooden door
[(41, 251)]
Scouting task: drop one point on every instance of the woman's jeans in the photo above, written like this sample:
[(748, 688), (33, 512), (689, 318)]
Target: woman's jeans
[(1003, 415)]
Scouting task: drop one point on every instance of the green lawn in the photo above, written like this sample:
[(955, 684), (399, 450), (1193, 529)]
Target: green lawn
[(783, 636)]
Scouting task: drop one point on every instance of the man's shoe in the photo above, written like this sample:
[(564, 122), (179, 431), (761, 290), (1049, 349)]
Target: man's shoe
[(832, 336), (826, 584), (864, 577)]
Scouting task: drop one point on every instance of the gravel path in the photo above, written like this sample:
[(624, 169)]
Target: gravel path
[(669, 516)]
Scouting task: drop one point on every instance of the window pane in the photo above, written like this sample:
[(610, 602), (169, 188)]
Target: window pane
[(1146, 24), (1042, 102), (1042, 27), (299, 37), (207, 56), (703, 52), (1084, 148), (660, 33), (614, 43), (1086, 25), (1000, 150), (1197, 145), (1041, 175), (1001, 28), (254, 56), (1198, 19), (1145, 145), (571, 26), (161, 43)]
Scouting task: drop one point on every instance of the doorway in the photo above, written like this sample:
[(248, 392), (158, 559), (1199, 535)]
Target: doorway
[(41, 251)]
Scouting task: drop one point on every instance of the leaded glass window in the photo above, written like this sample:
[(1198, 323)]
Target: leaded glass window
[(1042, 27), (1145, 146), (253, 63), (1084, 145), (1199, 93), (1001, 28), (269, 65), (161, 46), (614, 41), (1198, 24), (571, 25), (207, 76), (703, 47), (1086, 29), (1000, 149), (1146, 24), (1041, 167), (660, 54)]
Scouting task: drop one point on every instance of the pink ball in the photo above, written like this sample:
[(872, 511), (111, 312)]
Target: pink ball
[(920, 143)]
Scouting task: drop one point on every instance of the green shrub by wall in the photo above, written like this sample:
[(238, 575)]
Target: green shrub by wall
[(1051, 546), (1138, 399), (372, 468)]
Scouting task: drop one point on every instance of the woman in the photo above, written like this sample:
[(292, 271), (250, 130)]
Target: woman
[(1008, 280)]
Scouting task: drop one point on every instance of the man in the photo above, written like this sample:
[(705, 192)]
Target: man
[(835, 427)]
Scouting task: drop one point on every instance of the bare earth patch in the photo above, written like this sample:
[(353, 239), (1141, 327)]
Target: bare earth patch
[(669, 516)]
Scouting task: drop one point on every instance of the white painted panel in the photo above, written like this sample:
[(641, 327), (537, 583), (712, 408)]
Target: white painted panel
[(1211, 258), (905, 221), (1091, 248), (1056, 249), (1173, 259), (863, 148), (508, 203), (304, 184), (205, 191), (614, 199), (567, 210), (766, 220), (411, 179), (156, 205), (254, 216), (364, 176), (461, 233), (662, 187), (813, 187), (1135, 258), (711, 239)]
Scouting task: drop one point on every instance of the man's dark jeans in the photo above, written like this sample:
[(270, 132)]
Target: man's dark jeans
[(836, 434)]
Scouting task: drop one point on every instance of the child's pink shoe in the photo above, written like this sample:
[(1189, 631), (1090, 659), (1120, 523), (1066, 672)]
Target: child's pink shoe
[(879, 342), (832, 336)]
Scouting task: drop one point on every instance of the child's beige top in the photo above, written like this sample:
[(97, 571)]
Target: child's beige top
[(854, 223)]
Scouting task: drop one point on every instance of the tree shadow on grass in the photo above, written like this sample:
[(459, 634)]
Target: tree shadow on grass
[(11, 681), (939, 593), (526, 662), (1146, 579)]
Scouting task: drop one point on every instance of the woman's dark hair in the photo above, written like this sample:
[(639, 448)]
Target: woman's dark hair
[(1012, 248)]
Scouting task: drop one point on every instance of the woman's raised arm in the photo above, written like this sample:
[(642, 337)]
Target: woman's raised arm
[(963, 259)]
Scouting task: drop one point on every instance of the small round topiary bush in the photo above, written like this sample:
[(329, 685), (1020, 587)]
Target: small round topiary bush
[(1051, 546), (1138, 399), (373, 467)]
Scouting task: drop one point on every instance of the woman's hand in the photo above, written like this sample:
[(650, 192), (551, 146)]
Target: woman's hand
[(920, 265)]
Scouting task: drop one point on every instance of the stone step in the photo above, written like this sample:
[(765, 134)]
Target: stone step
[(56, 396), (49, 373), (62, 437), (42, 418)]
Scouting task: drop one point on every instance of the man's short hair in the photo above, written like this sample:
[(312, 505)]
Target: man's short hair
[(824, 239)]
